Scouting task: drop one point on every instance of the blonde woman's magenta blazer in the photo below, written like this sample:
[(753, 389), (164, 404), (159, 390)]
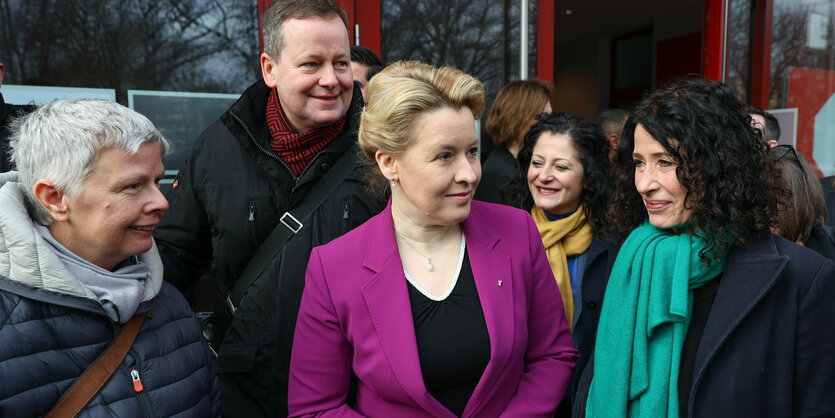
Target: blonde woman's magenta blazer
[(355, 318)]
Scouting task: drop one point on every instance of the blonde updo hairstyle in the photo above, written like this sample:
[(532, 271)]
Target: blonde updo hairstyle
[(400, 95)]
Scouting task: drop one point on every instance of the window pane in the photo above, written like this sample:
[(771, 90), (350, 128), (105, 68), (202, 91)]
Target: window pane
[(145, 44), (480, 37), (164, 46), (737, 55), (803, 76)]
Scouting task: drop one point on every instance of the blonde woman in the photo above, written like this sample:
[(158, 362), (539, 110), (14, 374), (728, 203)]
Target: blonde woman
[(439, 306)]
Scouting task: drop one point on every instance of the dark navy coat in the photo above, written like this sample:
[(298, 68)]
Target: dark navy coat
[(768, 347), (47, 340)]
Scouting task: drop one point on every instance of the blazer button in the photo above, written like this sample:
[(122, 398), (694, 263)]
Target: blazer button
[(325, 166), (591, 305)]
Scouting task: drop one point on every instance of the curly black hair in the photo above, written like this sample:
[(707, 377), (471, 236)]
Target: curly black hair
[(592, 151), (722, 162)]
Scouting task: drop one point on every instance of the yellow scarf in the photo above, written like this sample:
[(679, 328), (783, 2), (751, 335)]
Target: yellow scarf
[(563, 238)]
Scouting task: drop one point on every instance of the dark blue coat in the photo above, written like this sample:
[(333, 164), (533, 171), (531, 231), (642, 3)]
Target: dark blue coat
[(599, 261), (48, 339), (768, 347)]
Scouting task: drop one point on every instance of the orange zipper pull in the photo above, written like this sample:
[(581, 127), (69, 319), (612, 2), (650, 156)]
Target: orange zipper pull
[(137, 382)]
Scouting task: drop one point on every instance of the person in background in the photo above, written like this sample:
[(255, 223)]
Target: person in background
[(7, 113), (706, 312), (246, 174), (364, 65), (612, 121), (802, 217), (767, 124), (564, 181), (440, 305), (77, 262), (514, 112)]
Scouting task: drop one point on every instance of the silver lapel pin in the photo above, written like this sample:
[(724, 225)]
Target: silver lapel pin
[(499, 283)]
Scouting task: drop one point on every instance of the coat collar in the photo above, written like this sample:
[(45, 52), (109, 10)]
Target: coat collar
[(246, 121), (502, 157), (750, 275), (384, 246), (26, 259), (386, 296)]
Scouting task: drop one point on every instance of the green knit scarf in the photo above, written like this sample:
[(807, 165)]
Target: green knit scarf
[(646, 312)]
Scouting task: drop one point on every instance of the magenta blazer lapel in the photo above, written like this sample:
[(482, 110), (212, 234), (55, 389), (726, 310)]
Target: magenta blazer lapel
[(489, 268), (387, 298)]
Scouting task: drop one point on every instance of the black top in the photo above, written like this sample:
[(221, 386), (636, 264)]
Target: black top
[(452, 341), (703, 298)]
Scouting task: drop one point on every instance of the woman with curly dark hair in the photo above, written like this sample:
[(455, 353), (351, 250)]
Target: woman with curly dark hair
[(707, 313), (564, 180)]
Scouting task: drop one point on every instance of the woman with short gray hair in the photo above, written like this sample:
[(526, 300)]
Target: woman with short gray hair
[(79, 269)]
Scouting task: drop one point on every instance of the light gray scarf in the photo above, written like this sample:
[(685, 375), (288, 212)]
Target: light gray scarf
[(119, 291)]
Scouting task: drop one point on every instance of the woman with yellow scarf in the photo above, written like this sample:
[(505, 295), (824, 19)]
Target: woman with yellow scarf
[(563, 179)]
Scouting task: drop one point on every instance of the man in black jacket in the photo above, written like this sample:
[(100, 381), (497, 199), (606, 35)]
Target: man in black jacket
[(7, 113), (257, 162)]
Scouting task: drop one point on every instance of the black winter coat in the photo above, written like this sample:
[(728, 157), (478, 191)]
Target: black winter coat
[(229, 196), (7, 113), (822, 240), (47, 340), (600, 259), (497, 171), (767, 347)]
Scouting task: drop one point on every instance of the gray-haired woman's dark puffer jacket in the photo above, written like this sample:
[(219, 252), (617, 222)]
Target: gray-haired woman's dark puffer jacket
[(52, 328)]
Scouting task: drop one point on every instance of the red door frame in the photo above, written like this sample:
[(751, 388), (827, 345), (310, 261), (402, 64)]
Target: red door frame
[(368, 18), (761, 65), (546, 17), (715, 30), (713, 47), (366, 14)]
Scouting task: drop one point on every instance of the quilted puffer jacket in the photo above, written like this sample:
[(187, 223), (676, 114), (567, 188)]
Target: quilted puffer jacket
[(52, 328)]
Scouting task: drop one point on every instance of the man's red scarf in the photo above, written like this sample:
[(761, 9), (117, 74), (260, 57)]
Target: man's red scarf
[(297, 149)]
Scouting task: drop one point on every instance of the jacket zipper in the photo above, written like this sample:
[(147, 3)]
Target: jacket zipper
[(140, 392), (345, 218), (252, 223), (260, 148)]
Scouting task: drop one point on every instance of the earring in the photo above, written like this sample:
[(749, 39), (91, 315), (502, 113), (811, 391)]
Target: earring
[(393, 181)]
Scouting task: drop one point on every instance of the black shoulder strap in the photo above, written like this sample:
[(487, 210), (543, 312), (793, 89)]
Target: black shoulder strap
[(289, 225)]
